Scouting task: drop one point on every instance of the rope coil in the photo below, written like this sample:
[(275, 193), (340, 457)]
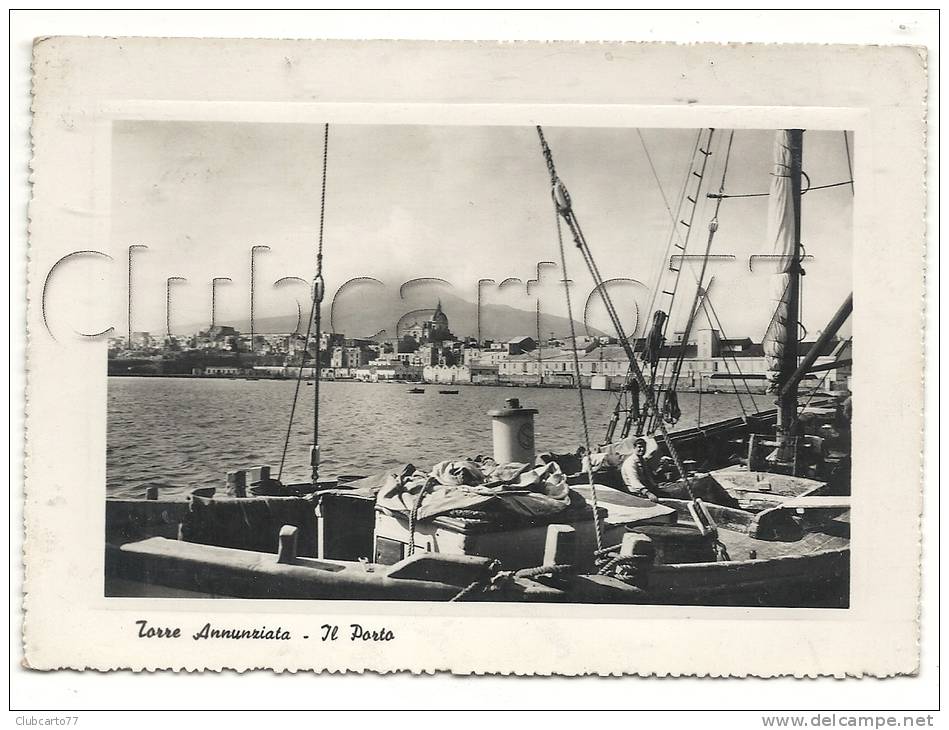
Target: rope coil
[(500, 578)]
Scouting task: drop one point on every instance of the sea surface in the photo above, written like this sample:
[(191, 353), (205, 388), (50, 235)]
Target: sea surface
[(183, 433)]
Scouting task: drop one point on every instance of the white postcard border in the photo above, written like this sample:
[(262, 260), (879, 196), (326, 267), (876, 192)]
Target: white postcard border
[(66, 435)]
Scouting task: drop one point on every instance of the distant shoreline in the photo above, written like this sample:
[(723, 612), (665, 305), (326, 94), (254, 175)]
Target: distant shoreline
[(414, 383), (409, 383)]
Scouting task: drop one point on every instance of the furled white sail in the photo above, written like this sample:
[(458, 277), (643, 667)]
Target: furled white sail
[(781, 236)]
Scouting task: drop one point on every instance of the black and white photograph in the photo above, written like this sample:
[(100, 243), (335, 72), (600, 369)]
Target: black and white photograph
[(481, 363), (532, 359)]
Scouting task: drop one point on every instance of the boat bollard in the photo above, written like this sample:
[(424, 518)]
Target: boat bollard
[(287, 544), (513, 433), (236, 484), (561, 545), (640, 554), (635, 543), (258, 474)]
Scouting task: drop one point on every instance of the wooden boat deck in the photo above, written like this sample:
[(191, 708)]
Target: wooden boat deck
[(833, 533), (738, 480), (740, 545)]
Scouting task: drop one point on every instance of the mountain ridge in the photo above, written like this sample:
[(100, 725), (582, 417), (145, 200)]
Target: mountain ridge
[(375, 319)]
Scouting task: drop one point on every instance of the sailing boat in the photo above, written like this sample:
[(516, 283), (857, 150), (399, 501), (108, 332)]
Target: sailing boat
[(512, 530), (785, 456)]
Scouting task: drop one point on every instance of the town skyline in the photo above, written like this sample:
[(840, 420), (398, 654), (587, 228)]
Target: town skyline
[(427, 351), (465, 205)]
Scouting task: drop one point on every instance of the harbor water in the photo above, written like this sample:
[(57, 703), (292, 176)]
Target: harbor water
[(182, 433)]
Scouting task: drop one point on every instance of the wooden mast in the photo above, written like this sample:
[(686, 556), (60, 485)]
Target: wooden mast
[(788, 398)]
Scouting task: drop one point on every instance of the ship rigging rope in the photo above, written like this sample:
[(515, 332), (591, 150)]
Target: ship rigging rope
[(655, 416), (707, 305), (564, 209), (296, 394), (313, 319), (849, 163), (662, 192), (699, 291), (674, 231), (318, 291), (621, 401), (809, 188), (710, 313), (676, 218), (826, 373), (576, 370)]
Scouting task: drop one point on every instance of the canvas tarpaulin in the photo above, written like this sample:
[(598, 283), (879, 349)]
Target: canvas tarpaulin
[(517, 489)]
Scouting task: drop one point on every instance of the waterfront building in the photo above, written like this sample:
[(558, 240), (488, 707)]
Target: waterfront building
[(274, 371), (350, 357), (425, 355), (296, 344), (470, 355), (357, 356), (217, 334), (520, 345), (446, 374), (387, 358), (340, 373), (141, 341), (527, 368), (711, 364), (329, 340), (581, 342), (474, 373), (486, 357), (221, 370), (380, 372), (483, 374)]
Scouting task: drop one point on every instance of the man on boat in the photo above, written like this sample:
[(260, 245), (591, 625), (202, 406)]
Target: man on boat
[(637, 474)]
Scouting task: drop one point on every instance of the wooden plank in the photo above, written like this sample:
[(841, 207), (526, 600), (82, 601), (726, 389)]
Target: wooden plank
[(817, 503)]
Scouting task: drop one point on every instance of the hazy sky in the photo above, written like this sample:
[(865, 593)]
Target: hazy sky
[(459, 203)]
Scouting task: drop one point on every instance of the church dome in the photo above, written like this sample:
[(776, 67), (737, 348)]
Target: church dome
[(439, 316)]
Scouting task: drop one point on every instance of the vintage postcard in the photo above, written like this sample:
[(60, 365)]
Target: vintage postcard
[(536, 359)]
